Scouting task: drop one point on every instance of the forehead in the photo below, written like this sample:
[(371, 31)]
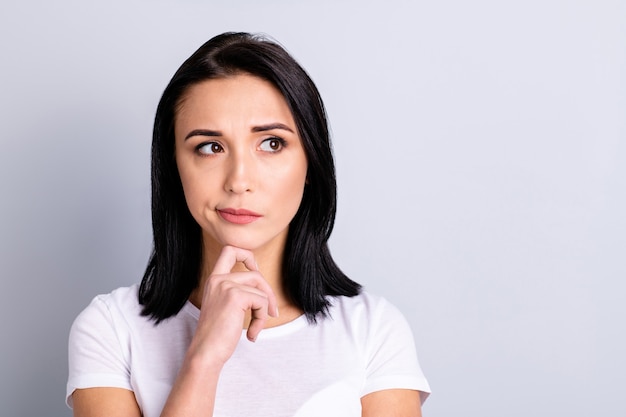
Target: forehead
[(240, 98)]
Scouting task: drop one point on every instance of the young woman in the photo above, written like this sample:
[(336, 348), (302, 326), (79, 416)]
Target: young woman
[(243, 203)]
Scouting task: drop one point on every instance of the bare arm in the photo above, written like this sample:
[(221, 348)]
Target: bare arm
[(105, 402), (392, 403)]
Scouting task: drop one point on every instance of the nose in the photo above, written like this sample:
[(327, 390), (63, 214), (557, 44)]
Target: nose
[(240, 173)]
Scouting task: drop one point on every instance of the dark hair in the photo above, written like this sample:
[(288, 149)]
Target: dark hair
[(310, 273)]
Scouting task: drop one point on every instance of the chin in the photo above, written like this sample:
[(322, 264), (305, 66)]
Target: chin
[(243, 243), (249, 241)]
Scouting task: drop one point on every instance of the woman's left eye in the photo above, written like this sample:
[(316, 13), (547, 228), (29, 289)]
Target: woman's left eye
[(272, 145)]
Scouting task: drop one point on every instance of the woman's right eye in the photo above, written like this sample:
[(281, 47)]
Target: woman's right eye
[(209, 148)]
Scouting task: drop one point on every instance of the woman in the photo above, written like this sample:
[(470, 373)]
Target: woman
[(243, 204)]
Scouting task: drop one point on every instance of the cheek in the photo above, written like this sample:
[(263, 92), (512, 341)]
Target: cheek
[(294, 189), (185, 181), (193, 187)]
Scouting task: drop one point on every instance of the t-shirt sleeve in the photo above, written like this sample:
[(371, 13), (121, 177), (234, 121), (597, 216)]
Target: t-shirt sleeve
[(392, 357), (96, 355)]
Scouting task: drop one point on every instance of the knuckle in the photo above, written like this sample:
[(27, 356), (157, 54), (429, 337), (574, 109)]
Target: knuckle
[(229, 249), (215, 280), (230, 294)]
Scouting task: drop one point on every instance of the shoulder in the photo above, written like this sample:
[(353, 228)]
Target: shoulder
[(121, 299), (368, 317), (385, 339), (98, 348), (124, 298), (109, 309), (365, 306)]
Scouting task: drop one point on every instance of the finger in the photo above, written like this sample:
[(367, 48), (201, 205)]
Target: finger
[(229, 256), (257, 323), (253, 279)]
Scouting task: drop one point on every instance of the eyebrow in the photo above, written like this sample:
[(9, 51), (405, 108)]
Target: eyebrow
[(261, 128), (203, 132), (272, 126)]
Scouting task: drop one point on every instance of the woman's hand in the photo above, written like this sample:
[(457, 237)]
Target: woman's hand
[(227, 298)]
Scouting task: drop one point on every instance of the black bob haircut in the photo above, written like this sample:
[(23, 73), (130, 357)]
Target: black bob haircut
[(309, 271)]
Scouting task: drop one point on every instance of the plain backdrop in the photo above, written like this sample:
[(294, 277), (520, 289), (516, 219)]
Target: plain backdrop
[(481, 157)]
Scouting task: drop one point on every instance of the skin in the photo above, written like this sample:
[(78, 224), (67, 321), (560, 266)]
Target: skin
[(248, 145), (239, 133)]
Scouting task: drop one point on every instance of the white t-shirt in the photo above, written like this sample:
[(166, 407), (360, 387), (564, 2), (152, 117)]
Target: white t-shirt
[(296, 369)]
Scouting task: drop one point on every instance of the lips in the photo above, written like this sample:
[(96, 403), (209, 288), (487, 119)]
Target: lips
[(238, 216)]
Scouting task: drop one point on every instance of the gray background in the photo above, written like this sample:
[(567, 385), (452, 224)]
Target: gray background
[(481, 153)]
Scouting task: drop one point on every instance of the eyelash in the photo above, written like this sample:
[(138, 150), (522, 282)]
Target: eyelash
[(198, 149), (282, 142)]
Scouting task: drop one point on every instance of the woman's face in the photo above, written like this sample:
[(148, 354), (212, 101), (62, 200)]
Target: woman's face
[(241, 162)]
